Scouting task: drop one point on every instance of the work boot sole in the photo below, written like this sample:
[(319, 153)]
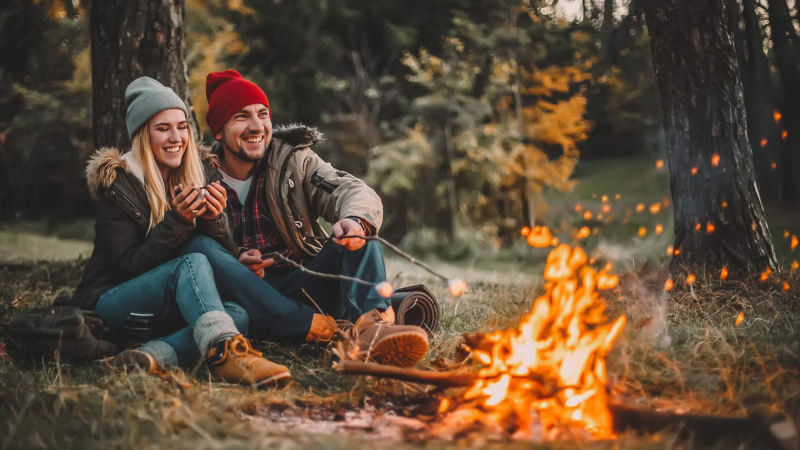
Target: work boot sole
[(276, 379), (400, 349)]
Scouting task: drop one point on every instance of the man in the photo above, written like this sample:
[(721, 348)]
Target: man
[(277, 189)]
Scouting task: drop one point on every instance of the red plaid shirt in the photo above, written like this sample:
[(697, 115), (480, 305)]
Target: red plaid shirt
[(252, 223)]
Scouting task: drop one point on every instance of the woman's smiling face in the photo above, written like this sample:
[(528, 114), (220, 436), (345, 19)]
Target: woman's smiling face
[(169, 137)]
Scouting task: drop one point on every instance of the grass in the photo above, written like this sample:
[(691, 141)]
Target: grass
[(681, 350)]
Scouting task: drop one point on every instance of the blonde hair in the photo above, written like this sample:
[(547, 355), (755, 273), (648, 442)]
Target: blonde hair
[(160, 192)]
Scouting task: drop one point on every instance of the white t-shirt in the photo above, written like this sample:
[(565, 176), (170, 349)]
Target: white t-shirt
[(241, 187)]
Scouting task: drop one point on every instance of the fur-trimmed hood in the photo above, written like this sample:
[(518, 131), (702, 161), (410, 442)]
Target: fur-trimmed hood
[(295, 134), (101, 171)]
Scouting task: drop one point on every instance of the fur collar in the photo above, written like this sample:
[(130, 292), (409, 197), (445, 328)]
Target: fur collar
[(295, 134), (101, 171)]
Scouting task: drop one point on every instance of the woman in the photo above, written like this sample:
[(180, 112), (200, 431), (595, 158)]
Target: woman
[(150, 201)]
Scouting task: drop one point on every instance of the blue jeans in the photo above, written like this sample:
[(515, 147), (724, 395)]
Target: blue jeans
[(178, 294), (278, 309)]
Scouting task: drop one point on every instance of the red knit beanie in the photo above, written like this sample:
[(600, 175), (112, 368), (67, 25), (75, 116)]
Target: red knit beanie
[(227, 92)]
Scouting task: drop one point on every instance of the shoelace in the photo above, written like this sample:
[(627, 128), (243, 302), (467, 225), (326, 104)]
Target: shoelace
[(241, 347)]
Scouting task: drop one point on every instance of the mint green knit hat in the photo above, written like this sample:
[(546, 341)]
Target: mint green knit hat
[(146, 97)]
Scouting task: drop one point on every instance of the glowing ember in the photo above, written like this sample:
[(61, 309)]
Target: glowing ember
[(655, 208), (444, 405), (739, 318), (784, 134), (457, 286), (385, 289), (786, 234), (710, 227), (659, 229), (540, 237), (584, 233), (773, 166), (578, 208), (525, 231), (764, 276), (724, 274), (763, 142), (553, 364), (617, 197), (777, 116), (697, 226), (669, 285), (640, 207), (642, 232), (690, 279), (794, 242), (604, 198), (715, 160), (786, 287), (659, 164), (694, 171), (676, 252), (587, 215), (669, 250), (606, 208), (724, 204), (554, 242), (795, 265)]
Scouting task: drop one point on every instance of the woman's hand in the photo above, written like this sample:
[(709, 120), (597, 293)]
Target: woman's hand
[(189, 203), (216, 201)]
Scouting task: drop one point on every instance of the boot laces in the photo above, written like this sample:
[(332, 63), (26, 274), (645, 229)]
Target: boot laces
[(241, 347)]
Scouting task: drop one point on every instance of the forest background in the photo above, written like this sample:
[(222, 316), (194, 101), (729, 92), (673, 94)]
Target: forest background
[(469, 117)]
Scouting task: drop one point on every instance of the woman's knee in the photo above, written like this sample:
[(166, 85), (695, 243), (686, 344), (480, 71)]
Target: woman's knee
[(199, 244), (195, 264)]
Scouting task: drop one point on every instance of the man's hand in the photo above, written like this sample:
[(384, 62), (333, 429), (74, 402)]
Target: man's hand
[(216, 201), (252, 260), (348, 227)]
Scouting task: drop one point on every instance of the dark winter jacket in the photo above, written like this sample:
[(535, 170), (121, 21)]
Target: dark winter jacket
[(301, 188), (124, 245)]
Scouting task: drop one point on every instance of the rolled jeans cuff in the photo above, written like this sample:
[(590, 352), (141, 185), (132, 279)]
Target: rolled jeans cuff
[(164, 354)]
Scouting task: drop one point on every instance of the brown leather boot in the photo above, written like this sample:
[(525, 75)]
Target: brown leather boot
[(323, 328), (235, 361), (383, 342)]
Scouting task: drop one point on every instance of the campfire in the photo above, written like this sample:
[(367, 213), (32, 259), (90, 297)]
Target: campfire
[(550, 371)]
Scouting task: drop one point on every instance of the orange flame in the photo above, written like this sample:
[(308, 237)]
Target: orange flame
[(587, 215), (690, 279), (659, 164), (694, 171), (669, 250), (540, 237), (697, 226), (710, 227), (584, 232), (715, 160), (724, 274), (525, 231), (640, 207), (676, 252), (444, 405), (604, 198), (794, 242), (669, 285), (786, 287), (739, 318), (659, 229), (642, 232), (655, 208), (457, 286), (765, 275), (554, 360)]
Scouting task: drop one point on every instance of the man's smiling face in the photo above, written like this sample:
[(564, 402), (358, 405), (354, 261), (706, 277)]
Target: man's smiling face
[(247, 133)]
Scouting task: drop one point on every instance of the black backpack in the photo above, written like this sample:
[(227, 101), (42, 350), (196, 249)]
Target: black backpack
[(57, 333)]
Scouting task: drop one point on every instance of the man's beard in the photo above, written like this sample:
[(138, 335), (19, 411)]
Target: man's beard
[(241, 154)]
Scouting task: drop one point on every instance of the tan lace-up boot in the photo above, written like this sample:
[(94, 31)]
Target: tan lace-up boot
[(383, 342), (235, 361)]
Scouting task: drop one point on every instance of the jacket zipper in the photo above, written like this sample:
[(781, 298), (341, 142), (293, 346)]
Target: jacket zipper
[(289, 223)]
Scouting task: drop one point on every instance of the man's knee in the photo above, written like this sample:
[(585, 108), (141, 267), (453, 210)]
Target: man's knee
[(198, 243)]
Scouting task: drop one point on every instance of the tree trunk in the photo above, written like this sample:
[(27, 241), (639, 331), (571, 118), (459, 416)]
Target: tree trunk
[(786, 56), (704, 115), (130, 39), (758, 99), (528, 194), (450, 181), (607, 35)]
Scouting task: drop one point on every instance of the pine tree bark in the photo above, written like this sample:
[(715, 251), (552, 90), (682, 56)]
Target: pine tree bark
[(759, 98), (130, 39), (704, 115), (787, 59)]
